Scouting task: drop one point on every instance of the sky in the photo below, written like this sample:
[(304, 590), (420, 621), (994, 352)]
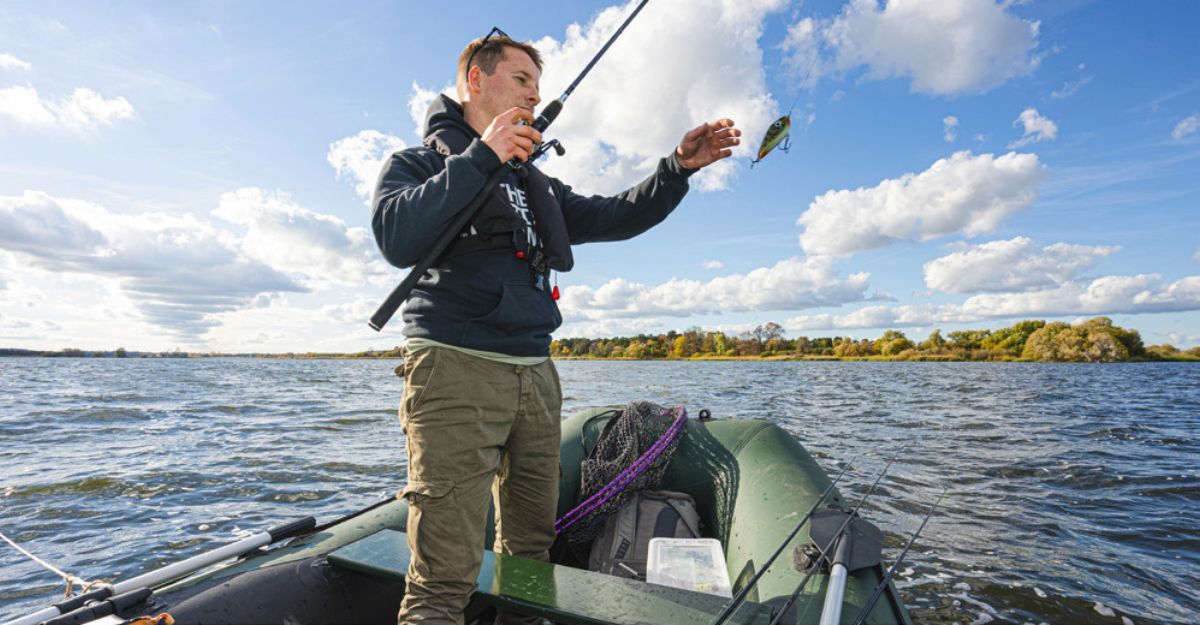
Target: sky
[(197, 175)]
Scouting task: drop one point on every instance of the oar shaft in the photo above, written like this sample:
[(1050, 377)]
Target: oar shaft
[(181, 568), (831, 612)]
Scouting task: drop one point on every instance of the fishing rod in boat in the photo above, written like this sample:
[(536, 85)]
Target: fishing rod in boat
[(866, 609), (110, 599), (740, 597), (396, 298), (864, 553)]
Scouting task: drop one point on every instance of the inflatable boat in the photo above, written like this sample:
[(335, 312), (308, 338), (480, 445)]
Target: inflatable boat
[(752, 483)]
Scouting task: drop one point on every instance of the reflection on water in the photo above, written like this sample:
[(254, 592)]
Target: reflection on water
[(1074, 487)]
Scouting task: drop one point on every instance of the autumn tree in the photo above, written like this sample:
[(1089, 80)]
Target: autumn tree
[(893, 342)]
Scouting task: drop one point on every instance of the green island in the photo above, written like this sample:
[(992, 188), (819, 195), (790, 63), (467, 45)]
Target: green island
[(1094, 340)]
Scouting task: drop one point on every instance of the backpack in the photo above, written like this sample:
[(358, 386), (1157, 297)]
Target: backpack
[(623, 544)]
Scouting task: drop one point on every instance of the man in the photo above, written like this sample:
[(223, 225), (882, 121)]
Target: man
[(482, 401)]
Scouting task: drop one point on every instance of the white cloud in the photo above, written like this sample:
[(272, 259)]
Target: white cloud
[(8, 61), (1186, 127), (949, 125), (1012, 265), (361, 157), (1109, 295), (37, 224), (419, 100), (790, 284), (24, 105), (713, 264), (607, 328), (1070, 88), (912, 315), (1037, 128), (1197, 256), (962, 193), (707, 64), (290, 238), (18, 328), (177, 269), (83, 110), (803, 54), (184, 273), (356, 312), (946, 47)]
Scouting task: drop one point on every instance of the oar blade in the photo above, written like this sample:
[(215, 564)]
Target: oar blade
[(865, 539)]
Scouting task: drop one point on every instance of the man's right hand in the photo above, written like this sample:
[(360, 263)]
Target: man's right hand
[(507, 139)]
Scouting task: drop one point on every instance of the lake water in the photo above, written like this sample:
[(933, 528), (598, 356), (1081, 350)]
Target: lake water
[(1074, 488)]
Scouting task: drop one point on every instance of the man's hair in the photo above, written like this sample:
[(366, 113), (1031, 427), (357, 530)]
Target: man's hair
[(488, 52)]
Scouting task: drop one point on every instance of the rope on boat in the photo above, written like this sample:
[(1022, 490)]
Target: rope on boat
[(71, 580)]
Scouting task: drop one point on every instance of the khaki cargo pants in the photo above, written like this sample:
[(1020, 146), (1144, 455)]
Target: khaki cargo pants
[(476, 430)]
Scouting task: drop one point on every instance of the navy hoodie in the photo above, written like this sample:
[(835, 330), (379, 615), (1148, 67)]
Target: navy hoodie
[(485, 299)]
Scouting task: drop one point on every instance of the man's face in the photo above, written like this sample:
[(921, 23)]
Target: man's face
[(514, 83)]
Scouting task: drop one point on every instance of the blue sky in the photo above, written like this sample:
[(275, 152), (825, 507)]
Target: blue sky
[(195, 175)]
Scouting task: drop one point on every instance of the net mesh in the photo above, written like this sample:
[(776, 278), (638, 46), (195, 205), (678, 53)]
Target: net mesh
[(625, 438)]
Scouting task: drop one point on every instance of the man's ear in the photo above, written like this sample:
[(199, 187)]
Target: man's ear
[(473, 79)]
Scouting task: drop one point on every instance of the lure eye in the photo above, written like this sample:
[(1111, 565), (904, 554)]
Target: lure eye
[(776, 125)]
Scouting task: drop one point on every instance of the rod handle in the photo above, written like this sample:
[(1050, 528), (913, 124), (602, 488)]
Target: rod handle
[(295, 528)]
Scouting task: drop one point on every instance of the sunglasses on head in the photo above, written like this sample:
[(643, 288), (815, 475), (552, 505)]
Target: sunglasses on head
[(491, 33)]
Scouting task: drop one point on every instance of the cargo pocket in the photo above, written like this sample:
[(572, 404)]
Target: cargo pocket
[(418, 371), (416, 491)]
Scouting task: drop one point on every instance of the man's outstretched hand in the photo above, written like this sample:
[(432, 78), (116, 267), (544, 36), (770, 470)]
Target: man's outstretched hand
[(707, 143)]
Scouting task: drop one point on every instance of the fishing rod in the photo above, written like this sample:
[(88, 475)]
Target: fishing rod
[(740, 597), (816, 566), (115, 598), (396, 298), (862, 614)]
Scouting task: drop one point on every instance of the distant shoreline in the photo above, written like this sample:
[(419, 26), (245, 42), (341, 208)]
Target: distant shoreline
[(10, 353), (1094, 340)]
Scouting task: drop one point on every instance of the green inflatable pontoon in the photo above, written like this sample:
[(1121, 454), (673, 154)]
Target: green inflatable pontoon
[(752, 483)]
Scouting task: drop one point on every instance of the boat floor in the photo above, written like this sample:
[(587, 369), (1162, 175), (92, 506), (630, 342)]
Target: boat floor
[(559, 593)]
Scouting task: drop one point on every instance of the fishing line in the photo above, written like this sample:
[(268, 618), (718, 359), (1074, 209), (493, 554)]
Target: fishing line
[(862, 614), (807, 75)]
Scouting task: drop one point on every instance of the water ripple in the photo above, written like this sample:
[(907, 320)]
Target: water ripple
[(1073, 487)]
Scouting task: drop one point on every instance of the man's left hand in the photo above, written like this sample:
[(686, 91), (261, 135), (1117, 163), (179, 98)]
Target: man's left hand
[(707, 143)]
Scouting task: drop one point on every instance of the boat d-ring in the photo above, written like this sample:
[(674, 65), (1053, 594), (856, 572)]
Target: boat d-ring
[(705, 415)]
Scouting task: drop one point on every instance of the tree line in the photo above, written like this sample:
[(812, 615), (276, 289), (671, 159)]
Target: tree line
[(1094, 340)]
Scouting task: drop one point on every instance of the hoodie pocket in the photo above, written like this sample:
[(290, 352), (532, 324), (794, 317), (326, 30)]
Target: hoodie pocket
[(521, 310)]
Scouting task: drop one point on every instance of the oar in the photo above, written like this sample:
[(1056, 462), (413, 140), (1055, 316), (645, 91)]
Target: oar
[(740, 597), (167, 573), (866, 609), (824, 551), (856, 544)]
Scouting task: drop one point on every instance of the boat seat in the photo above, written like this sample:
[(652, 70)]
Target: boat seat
[(559, 593)]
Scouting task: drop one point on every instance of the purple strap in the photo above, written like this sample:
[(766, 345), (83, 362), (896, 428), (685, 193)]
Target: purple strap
[(618, 483)]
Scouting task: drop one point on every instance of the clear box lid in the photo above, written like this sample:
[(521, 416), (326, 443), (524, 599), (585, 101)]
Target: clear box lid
[(696, 564)]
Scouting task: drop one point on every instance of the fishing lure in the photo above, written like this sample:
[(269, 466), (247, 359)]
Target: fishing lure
[(778, 133)]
